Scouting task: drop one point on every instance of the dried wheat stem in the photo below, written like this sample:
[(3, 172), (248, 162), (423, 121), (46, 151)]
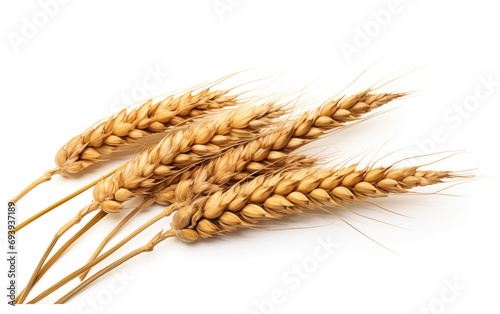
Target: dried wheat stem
[(161, 236), (353, 106), (44, 178), (148, 201), (165, 213), (22, 296), (59, 252), (62, 201)]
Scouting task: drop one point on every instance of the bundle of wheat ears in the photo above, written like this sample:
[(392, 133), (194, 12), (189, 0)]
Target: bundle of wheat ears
[(218, 162)]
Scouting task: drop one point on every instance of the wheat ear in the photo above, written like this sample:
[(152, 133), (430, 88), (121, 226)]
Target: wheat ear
[(271, 197), (126, 128)]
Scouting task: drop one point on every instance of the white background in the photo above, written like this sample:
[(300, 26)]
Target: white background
[(72, 69)]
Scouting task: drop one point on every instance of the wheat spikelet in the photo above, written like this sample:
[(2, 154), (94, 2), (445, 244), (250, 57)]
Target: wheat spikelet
[(124, 128)]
